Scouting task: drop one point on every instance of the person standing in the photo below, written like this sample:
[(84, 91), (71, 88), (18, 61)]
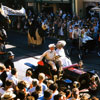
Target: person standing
[(76, 36), (9, 62)]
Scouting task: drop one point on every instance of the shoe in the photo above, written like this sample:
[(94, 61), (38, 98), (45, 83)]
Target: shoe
[(99, 54)]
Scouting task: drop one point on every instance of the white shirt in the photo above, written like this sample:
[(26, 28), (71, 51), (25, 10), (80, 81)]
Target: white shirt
[(28, 81), (60, 52), (13, 78), (49, 55), (76, 33), (64, 60)]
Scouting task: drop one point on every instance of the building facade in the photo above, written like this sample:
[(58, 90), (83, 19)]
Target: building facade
[(50, 5), (78, 7)]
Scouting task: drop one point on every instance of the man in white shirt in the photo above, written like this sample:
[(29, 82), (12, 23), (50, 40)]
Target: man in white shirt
[(28, 79), (50, 56), (76, 36), (13, 76)]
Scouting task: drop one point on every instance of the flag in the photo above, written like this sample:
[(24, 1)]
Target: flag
[(9, 11)]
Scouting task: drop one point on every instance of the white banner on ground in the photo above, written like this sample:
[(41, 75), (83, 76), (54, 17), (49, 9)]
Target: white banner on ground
[(8, 11)]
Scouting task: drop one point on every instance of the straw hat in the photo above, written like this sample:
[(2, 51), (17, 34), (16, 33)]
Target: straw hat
[(7, 96)]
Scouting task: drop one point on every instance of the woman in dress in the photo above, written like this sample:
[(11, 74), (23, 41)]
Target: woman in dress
[(61, 53)]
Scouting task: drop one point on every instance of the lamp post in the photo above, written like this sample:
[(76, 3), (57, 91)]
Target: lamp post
[(73, 6)]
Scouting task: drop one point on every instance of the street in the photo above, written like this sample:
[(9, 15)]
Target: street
[(17, 42)]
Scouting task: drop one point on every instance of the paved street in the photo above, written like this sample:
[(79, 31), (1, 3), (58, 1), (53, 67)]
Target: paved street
[(17, 42)]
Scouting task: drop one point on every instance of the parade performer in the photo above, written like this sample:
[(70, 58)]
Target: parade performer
[(34, 34), (50, 56), (60, 51)]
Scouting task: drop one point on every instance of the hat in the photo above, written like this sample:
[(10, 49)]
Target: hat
[(62, 42), (10, 53), (7, 96), (51, 45)]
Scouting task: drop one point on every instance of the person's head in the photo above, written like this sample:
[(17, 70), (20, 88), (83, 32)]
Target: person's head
[(57, 97), (76, 26), (21, 85), (53, 87), (30, 98), (60, 44), (35, 82), (86, 28), (13, 71), (10, 55), (38, 89), (41, 77), (49, 82), (21, 95), (80, 63), (8, 83), (48, 94), (28, 73), (51, 46)]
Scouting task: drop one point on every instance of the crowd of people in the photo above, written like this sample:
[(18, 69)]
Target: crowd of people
[(29, 88), (61, 26)]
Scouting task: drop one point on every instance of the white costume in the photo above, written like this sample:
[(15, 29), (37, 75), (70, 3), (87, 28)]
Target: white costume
[(64, 60)]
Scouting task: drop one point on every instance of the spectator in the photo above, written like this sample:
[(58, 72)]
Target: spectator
[(34, 84), (9, 62), (7, 88), (50, 56), (49, 82), (57, 97), (41, 78), (38, 92), (28, 78), (3, 74), (21, 95), (47, 95), (8, 96), (13, 76), (75, 94), (68, 94), (54, 88), (21, 87)]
